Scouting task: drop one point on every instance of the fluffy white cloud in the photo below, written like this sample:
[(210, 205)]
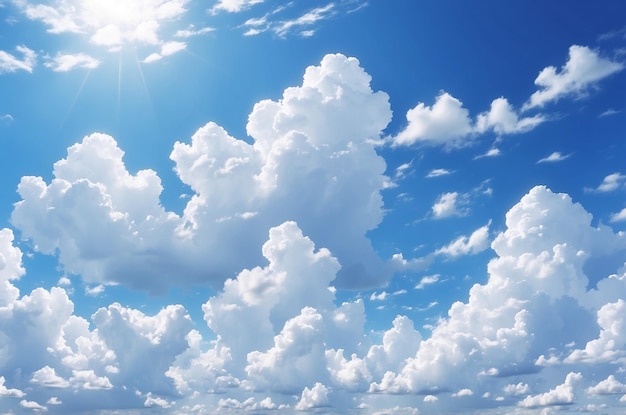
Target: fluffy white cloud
[(610, 183), (583, 69), (46, 376), (502, 119), (316, 134), (535, 296), (109, 23), (315, 397), (11, 63), (67, 62), (561, 395), (9, 392), (447, 205), (446, 123), (618, 216), (608, 386), (478, 241), (32, 405)]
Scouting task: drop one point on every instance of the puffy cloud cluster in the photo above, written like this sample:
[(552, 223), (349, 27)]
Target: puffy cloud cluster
[(282, 342), (449, 124), (313, 161)]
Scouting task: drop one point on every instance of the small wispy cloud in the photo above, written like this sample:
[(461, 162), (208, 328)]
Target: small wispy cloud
[(438, 173), (68, 62), (427, 280), (610, 183), (554, 157)]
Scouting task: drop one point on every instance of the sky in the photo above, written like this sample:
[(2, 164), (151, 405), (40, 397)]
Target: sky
[(331, 207)]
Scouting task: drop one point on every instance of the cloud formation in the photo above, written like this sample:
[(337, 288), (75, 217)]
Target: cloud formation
[(315, 135)]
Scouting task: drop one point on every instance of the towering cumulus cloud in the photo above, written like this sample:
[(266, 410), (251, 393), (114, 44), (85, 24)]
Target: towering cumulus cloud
[(313, 161)]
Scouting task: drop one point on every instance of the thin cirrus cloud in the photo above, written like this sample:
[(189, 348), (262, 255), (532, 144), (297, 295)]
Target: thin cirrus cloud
[(447, 123)]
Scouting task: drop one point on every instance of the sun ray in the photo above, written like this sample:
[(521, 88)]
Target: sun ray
[(73, 104)]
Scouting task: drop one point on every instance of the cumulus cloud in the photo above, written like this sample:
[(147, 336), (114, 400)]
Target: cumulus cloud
[(445, 123), (502, 119), (561, 395), (610, 183), (447, 205), (582, 71), (9, 392), (315, 134), (477, 242), (536, 293), (11, 63), (167, 49), (609, 386), (315, 397)]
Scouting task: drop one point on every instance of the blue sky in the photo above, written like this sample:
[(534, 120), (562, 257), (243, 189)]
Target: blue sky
[(343, 207)]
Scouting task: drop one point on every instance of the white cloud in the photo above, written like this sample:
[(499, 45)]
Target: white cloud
[(234, 6), (6, 119), (109, 23), (47, 377), (167, 49), (307, 19), (67, 62), (609, 386), (518, 389), (315, 397), (582, 71), (9, 392), (561, 395), (11, 63), (447, 205), (427, 280), (502, 119), (619, 216), (610, 183), (477, 242), (492, 152), (191, 31), (463, 392), (54, 401), (439, 172), (554, 157), (446, 123), (314, 134), (32, 405)]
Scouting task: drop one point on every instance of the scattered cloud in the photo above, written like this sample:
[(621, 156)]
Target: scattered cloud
[(619, 216), (67, 62), (582, 71), (492, 152), (445, 123), (477, 242), (610, 183), (167, 49), (6, 119), (448, 205), (306, 20), (608, 113), (11, 63), (427, 280), (609, 386), (554, 157), (191, 31), (502, 119), (438, 173), (561, 395)]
